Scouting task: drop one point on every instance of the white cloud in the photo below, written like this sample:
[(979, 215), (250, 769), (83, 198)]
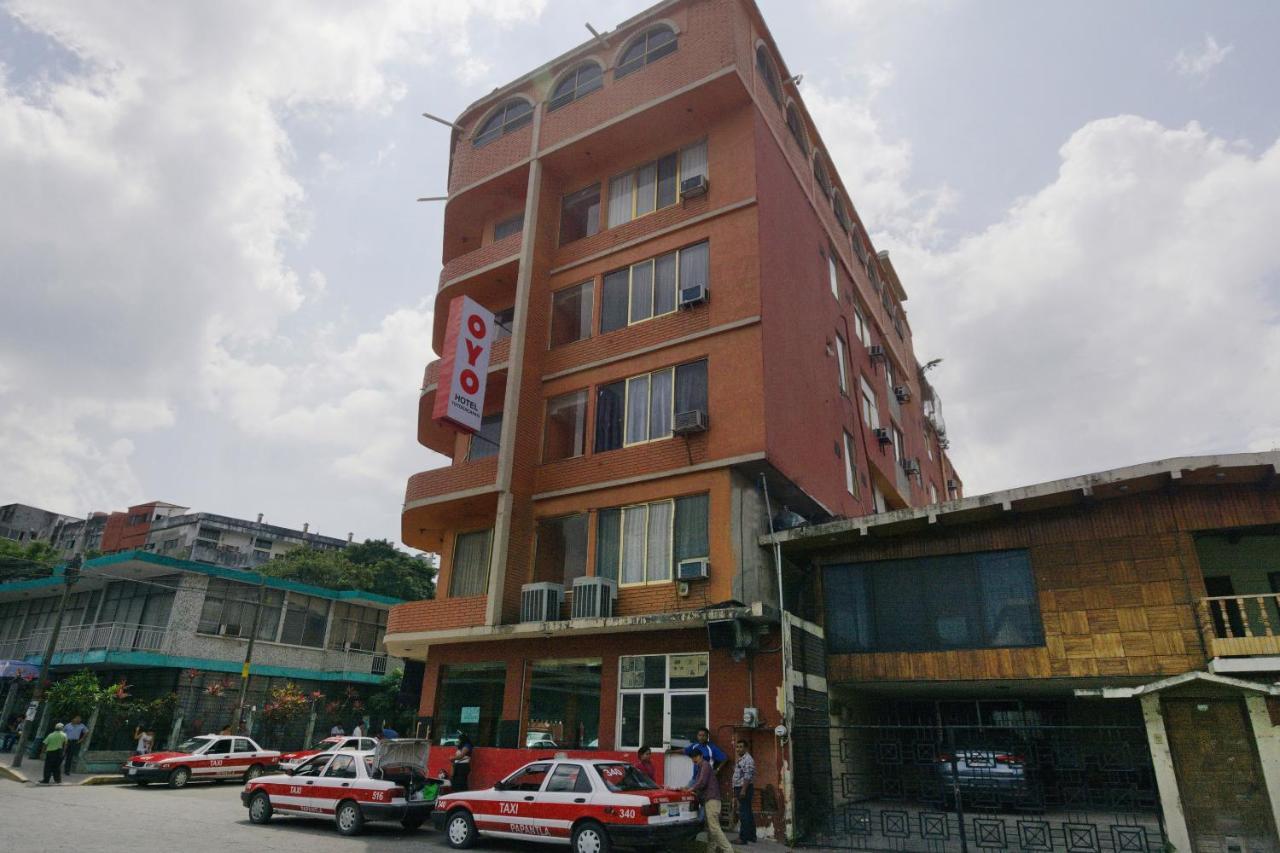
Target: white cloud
[(875, 168), (1199, 62), (1128, 311), (151, 208)]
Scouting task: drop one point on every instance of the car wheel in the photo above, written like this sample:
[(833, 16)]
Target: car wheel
[(412, 822), (260, 807), (460, 830), (349, 819), (253, 772), (590, 837), (179, 777)]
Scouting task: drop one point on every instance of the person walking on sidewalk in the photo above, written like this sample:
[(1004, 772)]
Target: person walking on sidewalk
[(75, 731), (744, 788), (53, 745), (707, 789)]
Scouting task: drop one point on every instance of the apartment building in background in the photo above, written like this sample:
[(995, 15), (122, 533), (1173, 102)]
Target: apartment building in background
[(697, 333), (167, 625), (24, 523)]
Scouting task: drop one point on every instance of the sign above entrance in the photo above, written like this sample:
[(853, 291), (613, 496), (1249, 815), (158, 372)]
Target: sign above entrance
[(464, 366)]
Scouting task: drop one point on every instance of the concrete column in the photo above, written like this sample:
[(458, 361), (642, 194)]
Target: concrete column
[(1267, 738), (515, 378), (1175, 821)]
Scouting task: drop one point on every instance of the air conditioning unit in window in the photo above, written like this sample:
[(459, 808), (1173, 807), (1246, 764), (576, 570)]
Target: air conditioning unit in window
[(876, 351), (694, 186), (593, 597), (540, 602), (882, 435), (694, 294), (692, 570), (911, 466), (902, 392), (686, 423)]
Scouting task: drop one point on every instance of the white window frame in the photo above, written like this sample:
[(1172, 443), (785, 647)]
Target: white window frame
[(622, 543), (634, 174), (666, 691), (653, 264), (831, 271), (870, 410), (626, 407), (842, 357), (898, 440), (860, 327), (850, 475)]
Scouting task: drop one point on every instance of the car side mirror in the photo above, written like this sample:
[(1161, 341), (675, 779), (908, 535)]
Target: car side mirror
[(288, 772), (499, 786)]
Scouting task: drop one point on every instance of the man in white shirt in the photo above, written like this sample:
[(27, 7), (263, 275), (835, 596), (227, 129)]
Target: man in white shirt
[(75, 732), (358, 731), (337, 730)]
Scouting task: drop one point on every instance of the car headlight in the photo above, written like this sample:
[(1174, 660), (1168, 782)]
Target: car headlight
[(152, 765)]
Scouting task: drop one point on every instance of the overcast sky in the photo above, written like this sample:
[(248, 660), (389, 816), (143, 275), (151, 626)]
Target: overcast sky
[(215, 284)]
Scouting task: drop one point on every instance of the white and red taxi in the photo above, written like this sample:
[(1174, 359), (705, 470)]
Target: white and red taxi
[(351, 787), (588, 804), (204, 758), (291, 760)]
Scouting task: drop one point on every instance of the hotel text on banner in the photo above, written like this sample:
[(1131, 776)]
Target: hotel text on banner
[(464, 365)]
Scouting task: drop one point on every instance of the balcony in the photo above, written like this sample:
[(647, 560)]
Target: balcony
[(351, 662), (74, 639), (432, 616), (456, 497), (487, 275), (441, 438), (1241, 626)]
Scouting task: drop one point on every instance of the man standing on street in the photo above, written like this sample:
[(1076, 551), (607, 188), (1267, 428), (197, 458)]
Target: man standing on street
[(707, 790), (74, 731), (712, 753), (53, 744), (744, 787)]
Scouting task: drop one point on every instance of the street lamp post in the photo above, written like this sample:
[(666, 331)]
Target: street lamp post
[(70, 575)]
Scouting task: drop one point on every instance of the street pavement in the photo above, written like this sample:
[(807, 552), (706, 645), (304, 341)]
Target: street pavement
[(205, 817)]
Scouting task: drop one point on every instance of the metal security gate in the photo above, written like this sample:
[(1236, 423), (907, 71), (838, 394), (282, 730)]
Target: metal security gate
[(1006, 778)]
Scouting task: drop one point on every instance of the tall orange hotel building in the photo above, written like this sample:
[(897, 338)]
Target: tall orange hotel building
[(696, 334)]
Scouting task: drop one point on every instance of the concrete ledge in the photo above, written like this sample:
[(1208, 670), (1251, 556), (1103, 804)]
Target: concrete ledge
[(13, 775), (103, 779)]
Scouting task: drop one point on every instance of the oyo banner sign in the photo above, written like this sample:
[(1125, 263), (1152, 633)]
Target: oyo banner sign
[(464, 366)]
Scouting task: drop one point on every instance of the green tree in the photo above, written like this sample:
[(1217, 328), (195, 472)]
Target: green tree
[(25, 561), (383, 704), (374, 565)]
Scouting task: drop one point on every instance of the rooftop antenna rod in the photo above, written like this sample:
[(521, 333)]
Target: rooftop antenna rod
[(443, 121), (604, 41)]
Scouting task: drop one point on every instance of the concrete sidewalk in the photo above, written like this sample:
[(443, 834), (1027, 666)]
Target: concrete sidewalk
[(20, 775)]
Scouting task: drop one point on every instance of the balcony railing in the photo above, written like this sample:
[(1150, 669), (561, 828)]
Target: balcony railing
[(104, 636), (355, 662), (1238, 625)]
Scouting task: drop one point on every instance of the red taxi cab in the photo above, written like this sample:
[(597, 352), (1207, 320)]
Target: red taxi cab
[(347, 743), (204, 758), (591, 805), (351, 787)]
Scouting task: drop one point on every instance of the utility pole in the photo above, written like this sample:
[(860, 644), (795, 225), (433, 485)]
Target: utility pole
[(70, 575), (248, 653)]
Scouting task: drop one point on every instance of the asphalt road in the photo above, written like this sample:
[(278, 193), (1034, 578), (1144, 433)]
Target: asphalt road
[(206, 817)]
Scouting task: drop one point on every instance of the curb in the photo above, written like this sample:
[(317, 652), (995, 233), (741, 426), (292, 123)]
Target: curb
[(102, 779), (12, 774)]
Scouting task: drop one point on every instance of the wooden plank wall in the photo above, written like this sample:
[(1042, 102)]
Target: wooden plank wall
[(1117, 580)]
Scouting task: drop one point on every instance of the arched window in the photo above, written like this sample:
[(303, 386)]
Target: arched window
[(653, 45), (583, 80), (820, 173), (769, 74), (842, 215), (796, 126), (512, 115)]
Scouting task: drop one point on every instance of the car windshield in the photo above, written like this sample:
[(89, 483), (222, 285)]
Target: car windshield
[(327, 743), (193, 744), (624, 777)]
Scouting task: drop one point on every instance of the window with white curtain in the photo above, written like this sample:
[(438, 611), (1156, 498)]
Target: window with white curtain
[(641, 408), (870, 412), (470, 574), (842, 357), (640, 544), (831, 272), (850, 470), (860, 330), (648, 289), (654, 185)]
